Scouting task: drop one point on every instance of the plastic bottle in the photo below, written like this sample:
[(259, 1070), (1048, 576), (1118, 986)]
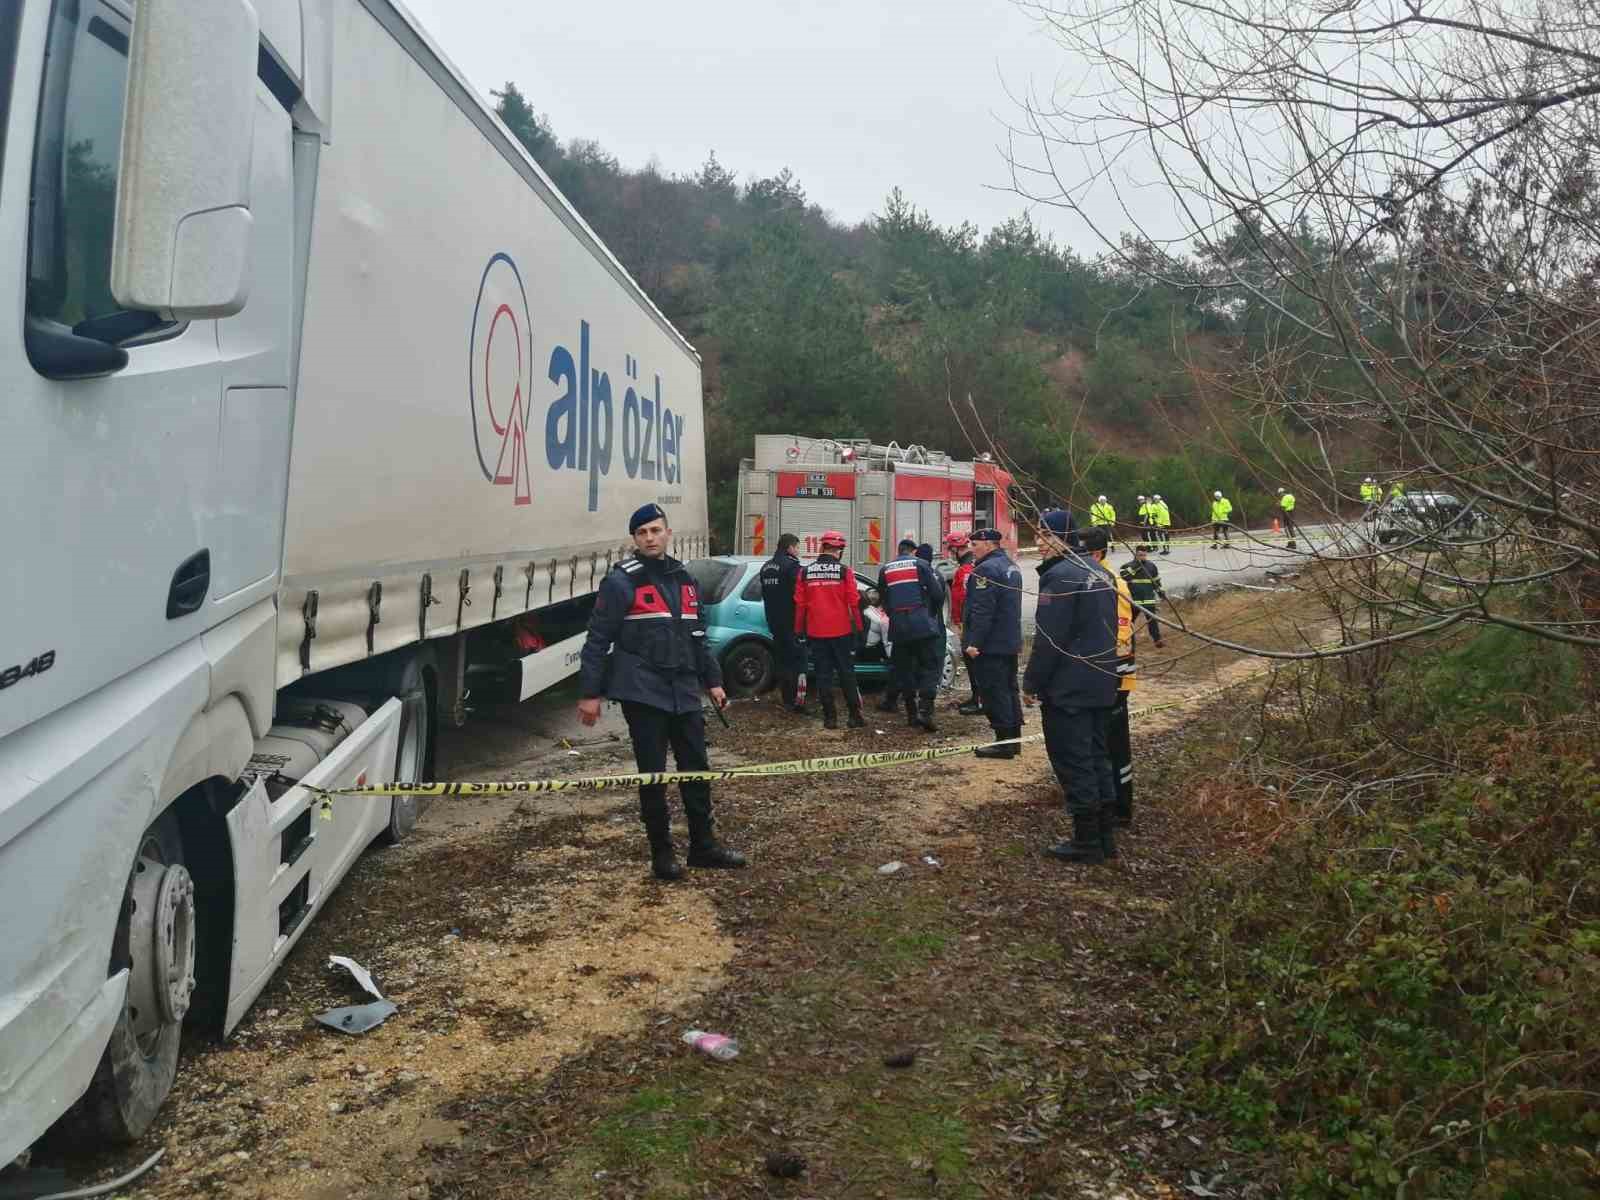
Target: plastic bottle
[(718, 1045)]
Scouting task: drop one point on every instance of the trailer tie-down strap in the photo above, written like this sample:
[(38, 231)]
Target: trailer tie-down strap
[(796, 766)]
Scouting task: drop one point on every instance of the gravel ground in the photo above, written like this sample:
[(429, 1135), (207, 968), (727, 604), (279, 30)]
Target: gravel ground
[(517, 936)]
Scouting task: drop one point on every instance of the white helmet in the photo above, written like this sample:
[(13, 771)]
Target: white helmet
[(1368, 479), (1157, 496), (1218, 495), (1102, 499), (1280, 491), (1141, 495)]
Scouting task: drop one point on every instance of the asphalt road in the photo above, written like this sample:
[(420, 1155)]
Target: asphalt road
[(1194, 565)]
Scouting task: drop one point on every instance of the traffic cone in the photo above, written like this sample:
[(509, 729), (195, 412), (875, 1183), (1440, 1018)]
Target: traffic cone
[(1276, 527)]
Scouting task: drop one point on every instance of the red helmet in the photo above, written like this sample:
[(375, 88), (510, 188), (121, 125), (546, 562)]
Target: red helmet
[(957, 541), (832, 538)]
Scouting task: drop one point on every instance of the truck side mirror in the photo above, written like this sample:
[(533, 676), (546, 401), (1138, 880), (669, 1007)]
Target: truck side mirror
[(182, 241)]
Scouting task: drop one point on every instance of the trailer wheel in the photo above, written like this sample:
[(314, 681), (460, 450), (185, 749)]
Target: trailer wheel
[(155, 941), (747, 669), (414, 758)]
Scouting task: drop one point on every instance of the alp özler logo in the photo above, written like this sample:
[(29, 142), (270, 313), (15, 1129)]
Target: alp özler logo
[(499, 376)]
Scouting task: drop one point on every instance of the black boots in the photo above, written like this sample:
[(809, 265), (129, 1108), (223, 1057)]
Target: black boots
[(1086, 845), (1108, 834), (830, 711), (970, 707), (657, 827), (919, 713), (713, 854), (789, 691), (703, 848), (663, 862), (1001, 735)]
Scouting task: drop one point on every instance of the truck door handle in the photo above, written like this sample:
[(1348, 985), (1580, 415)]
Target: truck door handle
[(190, 583)]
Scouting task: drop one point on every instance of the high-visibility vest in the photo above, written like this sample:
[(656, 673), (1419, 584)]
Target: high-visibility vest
[(1147, 513), (1371, 493), (1220, 510), (1102, 514), (1286, 502), (1125, 670), (1396, 489), (1163, 514)]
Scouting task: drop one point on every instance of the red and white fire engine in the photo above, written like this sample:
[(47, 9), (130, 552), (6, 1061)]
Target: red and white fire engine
[(875, 495)]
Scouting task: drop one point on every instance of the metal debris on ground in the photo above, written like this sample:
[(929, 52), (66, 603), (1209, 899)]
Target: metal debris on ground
[(357, 1018), (889, 868)]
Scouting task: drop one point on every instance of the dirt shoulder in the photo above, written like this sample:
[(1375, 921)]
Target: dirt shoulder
[(543, 980)]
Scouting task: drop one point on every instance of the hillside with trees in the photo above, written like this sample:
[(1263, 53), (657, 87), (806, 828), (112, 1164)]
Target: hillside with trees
[(1082, 375)]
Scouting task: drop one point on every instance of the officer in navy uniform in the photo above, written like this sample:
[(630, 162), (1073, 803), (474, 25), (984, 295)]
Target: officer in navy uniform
[(1072, 674), (991, 639), (647, 650), (913, 597), (778, 575)]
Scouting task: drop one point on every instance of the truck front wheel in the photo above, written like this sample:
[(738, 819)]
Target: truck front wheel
[(155, 942)]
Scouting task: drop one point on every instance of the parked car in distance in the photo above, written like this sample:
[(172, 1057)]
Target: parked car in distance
[(737, 632), (1422, 514)]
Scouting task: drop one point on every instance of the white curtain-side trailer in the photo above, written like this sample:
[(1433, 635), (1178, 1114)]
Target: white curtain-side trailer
[(322, 405)]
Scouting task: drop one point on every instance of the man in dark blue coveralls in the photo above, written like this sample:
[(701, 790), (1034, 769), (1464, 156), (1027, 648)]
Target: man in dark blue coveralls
[(1072, 673), (778, 575), (913, 597), (991, 639), (647, 650)]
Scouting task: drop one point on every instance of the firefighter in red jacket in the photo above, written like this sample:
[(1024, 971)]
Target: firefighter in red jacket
[(966, 562), (827, 616)]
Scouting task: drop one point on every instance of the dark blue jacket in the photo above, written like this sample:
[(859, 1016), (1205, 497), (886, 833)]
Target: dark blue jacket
[(1074, 661), (913, 595), (992, 617), (647, 615), (778, 574)]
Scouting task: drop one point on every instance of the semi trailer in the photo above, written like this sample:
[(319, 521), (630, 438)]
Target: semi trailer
[(323, 409)]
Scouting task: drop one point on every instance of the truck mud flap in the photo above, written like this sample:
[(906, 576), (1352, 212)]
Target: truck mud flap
[(550, 666), (287, 862)]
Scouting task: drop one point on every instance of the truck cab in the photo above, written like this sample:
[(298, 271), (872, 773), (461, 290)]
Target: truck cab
[(155, 177)]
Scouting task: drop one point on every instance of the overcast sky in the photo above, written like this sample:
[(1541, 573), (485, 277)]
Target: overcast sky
[(857, 96)]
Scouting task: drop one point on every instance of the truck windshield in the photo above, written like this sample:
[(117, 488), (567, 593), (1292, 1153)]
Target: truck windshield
[(10, 15), (75, 164)]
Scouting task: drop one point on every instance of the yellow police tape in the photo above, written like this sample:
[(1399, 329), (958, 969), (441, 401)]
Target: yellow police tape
[(796, 766)]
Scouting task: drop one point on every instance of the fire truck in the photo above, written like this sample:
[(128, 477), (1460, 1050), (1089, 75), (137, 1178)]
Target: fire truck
[(875, 495)]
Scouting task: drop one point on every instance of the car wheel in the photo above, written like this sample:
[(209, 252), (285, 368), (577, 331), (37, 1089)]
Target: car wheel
[(747, 669), (947, 677)]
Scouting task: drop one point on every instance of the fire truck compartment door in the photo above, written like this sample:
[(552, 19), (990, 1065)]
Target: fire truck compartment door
[(809, 518), (918, 519)]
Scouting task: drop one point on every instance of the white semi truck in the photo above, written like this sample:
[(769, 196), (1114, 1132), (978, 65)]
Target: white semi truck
[(319, 406)]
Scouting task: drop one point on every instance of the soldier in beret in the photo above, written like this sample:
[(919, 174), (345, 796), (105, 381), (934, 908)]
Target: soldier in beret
[(647, 650)]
